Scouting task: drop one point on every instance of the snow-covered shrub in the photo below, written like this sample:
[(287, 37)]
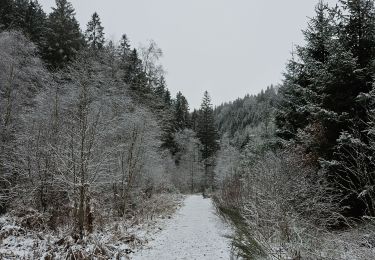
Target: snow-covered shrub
[(75, 144), (274, 202), (22, 75)]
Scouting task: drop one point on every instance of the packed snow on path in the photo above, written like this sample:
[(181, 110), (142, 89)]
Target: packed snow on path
[(195, 232)]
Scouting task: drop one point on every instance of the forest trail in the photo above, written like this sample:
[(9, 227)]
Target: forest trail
[(195, 232)]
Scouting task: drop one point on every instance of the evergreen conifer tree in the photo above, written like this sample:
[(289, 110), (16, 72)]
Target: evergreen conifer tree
[(357, 33), (6, 14), (208, 136), (167, 98), (194, 120), (35, 23), (64, 38), (133, 73), (303, 89), (124, 50), (19, 12), (160, 88), (26, 16), (181, 112), (94, 33), (321, 105)]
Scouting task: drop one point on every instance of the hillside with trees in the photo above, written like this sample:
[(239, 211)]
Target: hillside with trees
[(89, 130), (296, 166), (95, 151)]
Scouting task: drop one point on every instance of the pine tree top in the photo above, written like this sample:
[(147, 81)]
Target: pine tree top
[(95, 32)]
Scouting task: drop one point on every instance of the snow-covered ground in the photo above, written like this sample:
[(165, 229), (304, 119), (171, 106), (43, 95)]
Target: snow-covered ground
[(195, 232), (24, 233)]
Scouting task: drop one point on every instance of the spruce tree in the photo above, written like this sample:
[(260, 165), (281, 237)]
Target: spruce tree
[(181, 112), (317, 92), (321, 105), (94, 33), (302, 88), (349, 165), (123, 50), (208, 136), (6, 14), (26, 16), (167, 98), (35, 23), (194, 120), (290, 117), (133, 73), (357, 32), (64, 38), (19, 12), (160, 88)]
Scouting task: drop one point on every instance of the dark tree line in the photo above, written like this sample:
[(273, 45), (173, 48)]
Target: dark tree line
[(57, 35), (326, 99)]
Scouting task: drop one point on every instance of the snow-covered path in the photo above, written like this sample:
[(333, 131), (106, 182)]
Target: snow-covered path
[(195, 232)]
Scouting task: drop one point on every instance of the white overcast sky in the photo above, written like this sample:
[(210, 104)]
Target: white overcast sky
[(228, 47)]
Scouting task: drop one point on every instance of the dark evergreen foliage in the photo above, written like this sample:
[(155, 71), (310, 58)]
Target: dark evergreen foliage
[(161, 88), (94, 33), (181, 112), (124, 51), (206, 128), (64, 37), (167, 98), (6, 14), (133, 72), (322, 102), (35, 23), (25, 15), (194, 120), (209, 138)]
